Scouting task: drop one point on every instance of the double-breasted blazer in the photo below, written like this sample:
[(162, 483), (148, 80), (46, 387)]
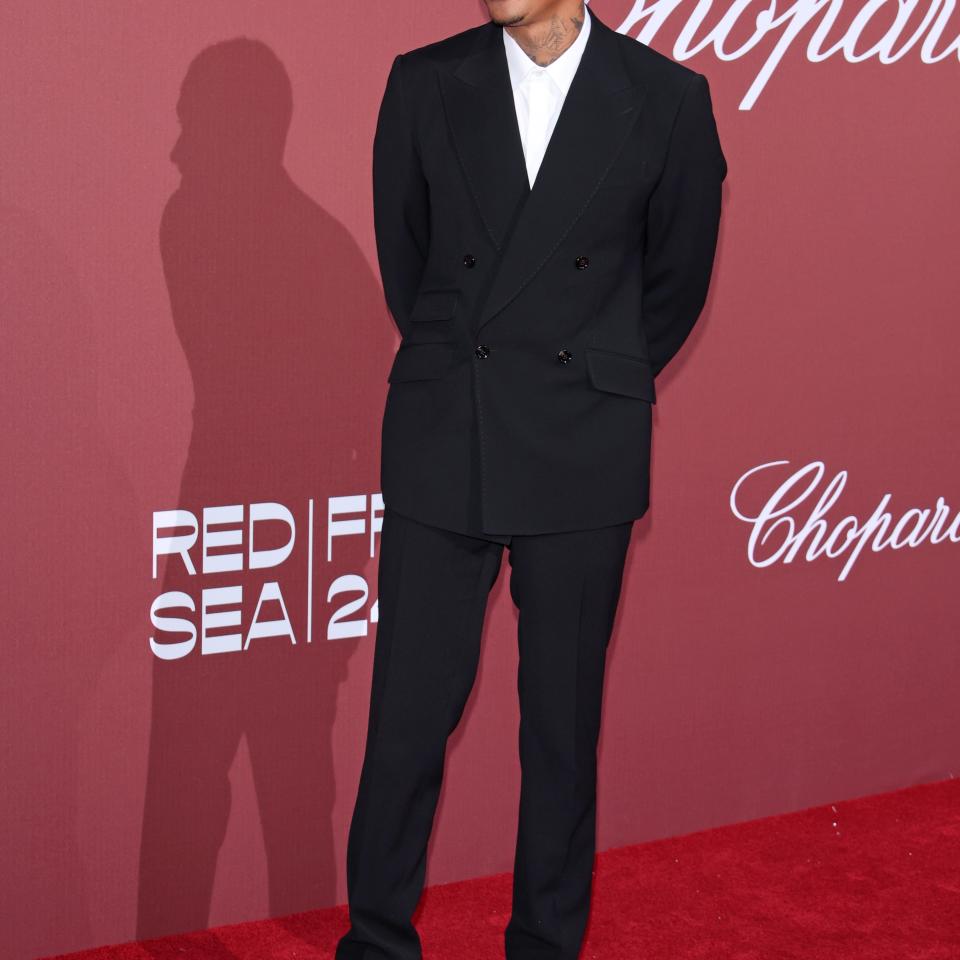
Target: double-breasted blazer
[(534, 322)]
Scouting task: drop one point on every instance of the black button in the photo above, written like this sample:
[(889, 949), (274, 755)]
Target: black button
[(582, 263), (564, 356), (469, 260), (482, 351)]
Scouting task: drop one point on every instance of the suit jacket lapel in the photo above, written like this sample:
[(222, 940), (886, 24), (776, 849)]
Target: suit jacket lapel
[(480, 112), (598, 113), (527, 226)]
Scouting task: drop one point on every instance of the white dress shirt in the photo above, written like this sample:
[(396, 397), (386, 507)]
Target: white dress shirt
[(539, 92)]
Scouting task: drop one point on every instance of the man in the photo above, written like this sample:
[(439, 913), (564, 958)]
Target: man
[(546, 202)]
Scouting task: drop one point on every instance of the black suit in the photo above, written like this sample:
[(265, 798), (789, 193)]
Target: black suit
[(608, 258), (533, 325)]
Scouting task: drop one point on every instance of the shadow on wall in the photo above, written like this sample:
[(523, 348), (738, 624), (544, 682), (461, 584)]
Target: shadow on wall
[(284, 329)]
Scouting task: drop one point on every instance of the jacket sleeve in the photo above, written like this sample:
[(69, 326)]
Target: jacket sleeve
[(683, 220), (401, 210)]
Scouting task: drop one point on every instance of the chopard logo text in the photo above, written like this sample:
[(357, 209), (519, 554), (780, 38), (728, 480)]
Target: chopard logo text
[(895, 28), (793, 521)]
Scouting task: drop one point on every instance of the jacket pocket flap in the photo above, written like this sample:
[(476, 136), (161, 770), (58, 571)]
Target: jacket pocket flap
[(435, 305), (421, 361), (621, 373)]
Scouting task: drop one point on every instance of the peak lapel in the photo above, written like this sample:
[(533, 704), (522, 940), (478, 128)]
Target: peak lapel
[(598, 113), (478, 102)]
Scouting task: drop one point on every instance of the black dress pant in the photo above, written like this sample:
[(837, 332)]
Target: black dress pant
[(433, 589)]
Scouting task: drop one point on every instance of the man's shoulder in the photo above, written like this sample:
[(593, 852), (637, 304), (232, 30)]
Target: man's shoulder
[(656, 70), (448, 50)]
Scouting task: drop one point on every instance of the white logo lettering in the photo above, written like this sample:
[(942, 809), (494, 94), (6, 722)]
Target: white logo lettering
[(778, 535), (927, 22)]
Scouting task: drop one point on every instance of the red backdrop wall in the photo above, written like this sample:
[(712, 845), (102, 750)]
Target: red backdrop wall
[(214, 349)]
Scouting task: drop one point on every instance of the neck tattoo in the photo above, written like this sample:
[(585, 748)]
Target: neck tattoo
[(545, 42)]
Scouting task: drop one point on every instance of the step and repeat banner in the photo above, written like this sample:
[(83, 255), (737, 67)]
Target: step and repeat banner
[(193, 374)]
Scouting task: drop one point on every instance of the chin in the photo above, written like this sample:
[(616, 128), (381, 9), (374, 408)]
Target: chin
[(503, 13)]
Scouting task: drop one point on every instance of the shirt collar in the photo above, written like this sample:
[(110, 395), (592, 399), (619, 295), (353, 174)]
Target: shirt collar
[(562, 69)]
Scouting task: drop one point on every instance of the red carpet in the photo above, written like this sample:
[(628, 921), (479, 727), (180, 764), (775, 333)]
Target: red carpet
[(871, 879)]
